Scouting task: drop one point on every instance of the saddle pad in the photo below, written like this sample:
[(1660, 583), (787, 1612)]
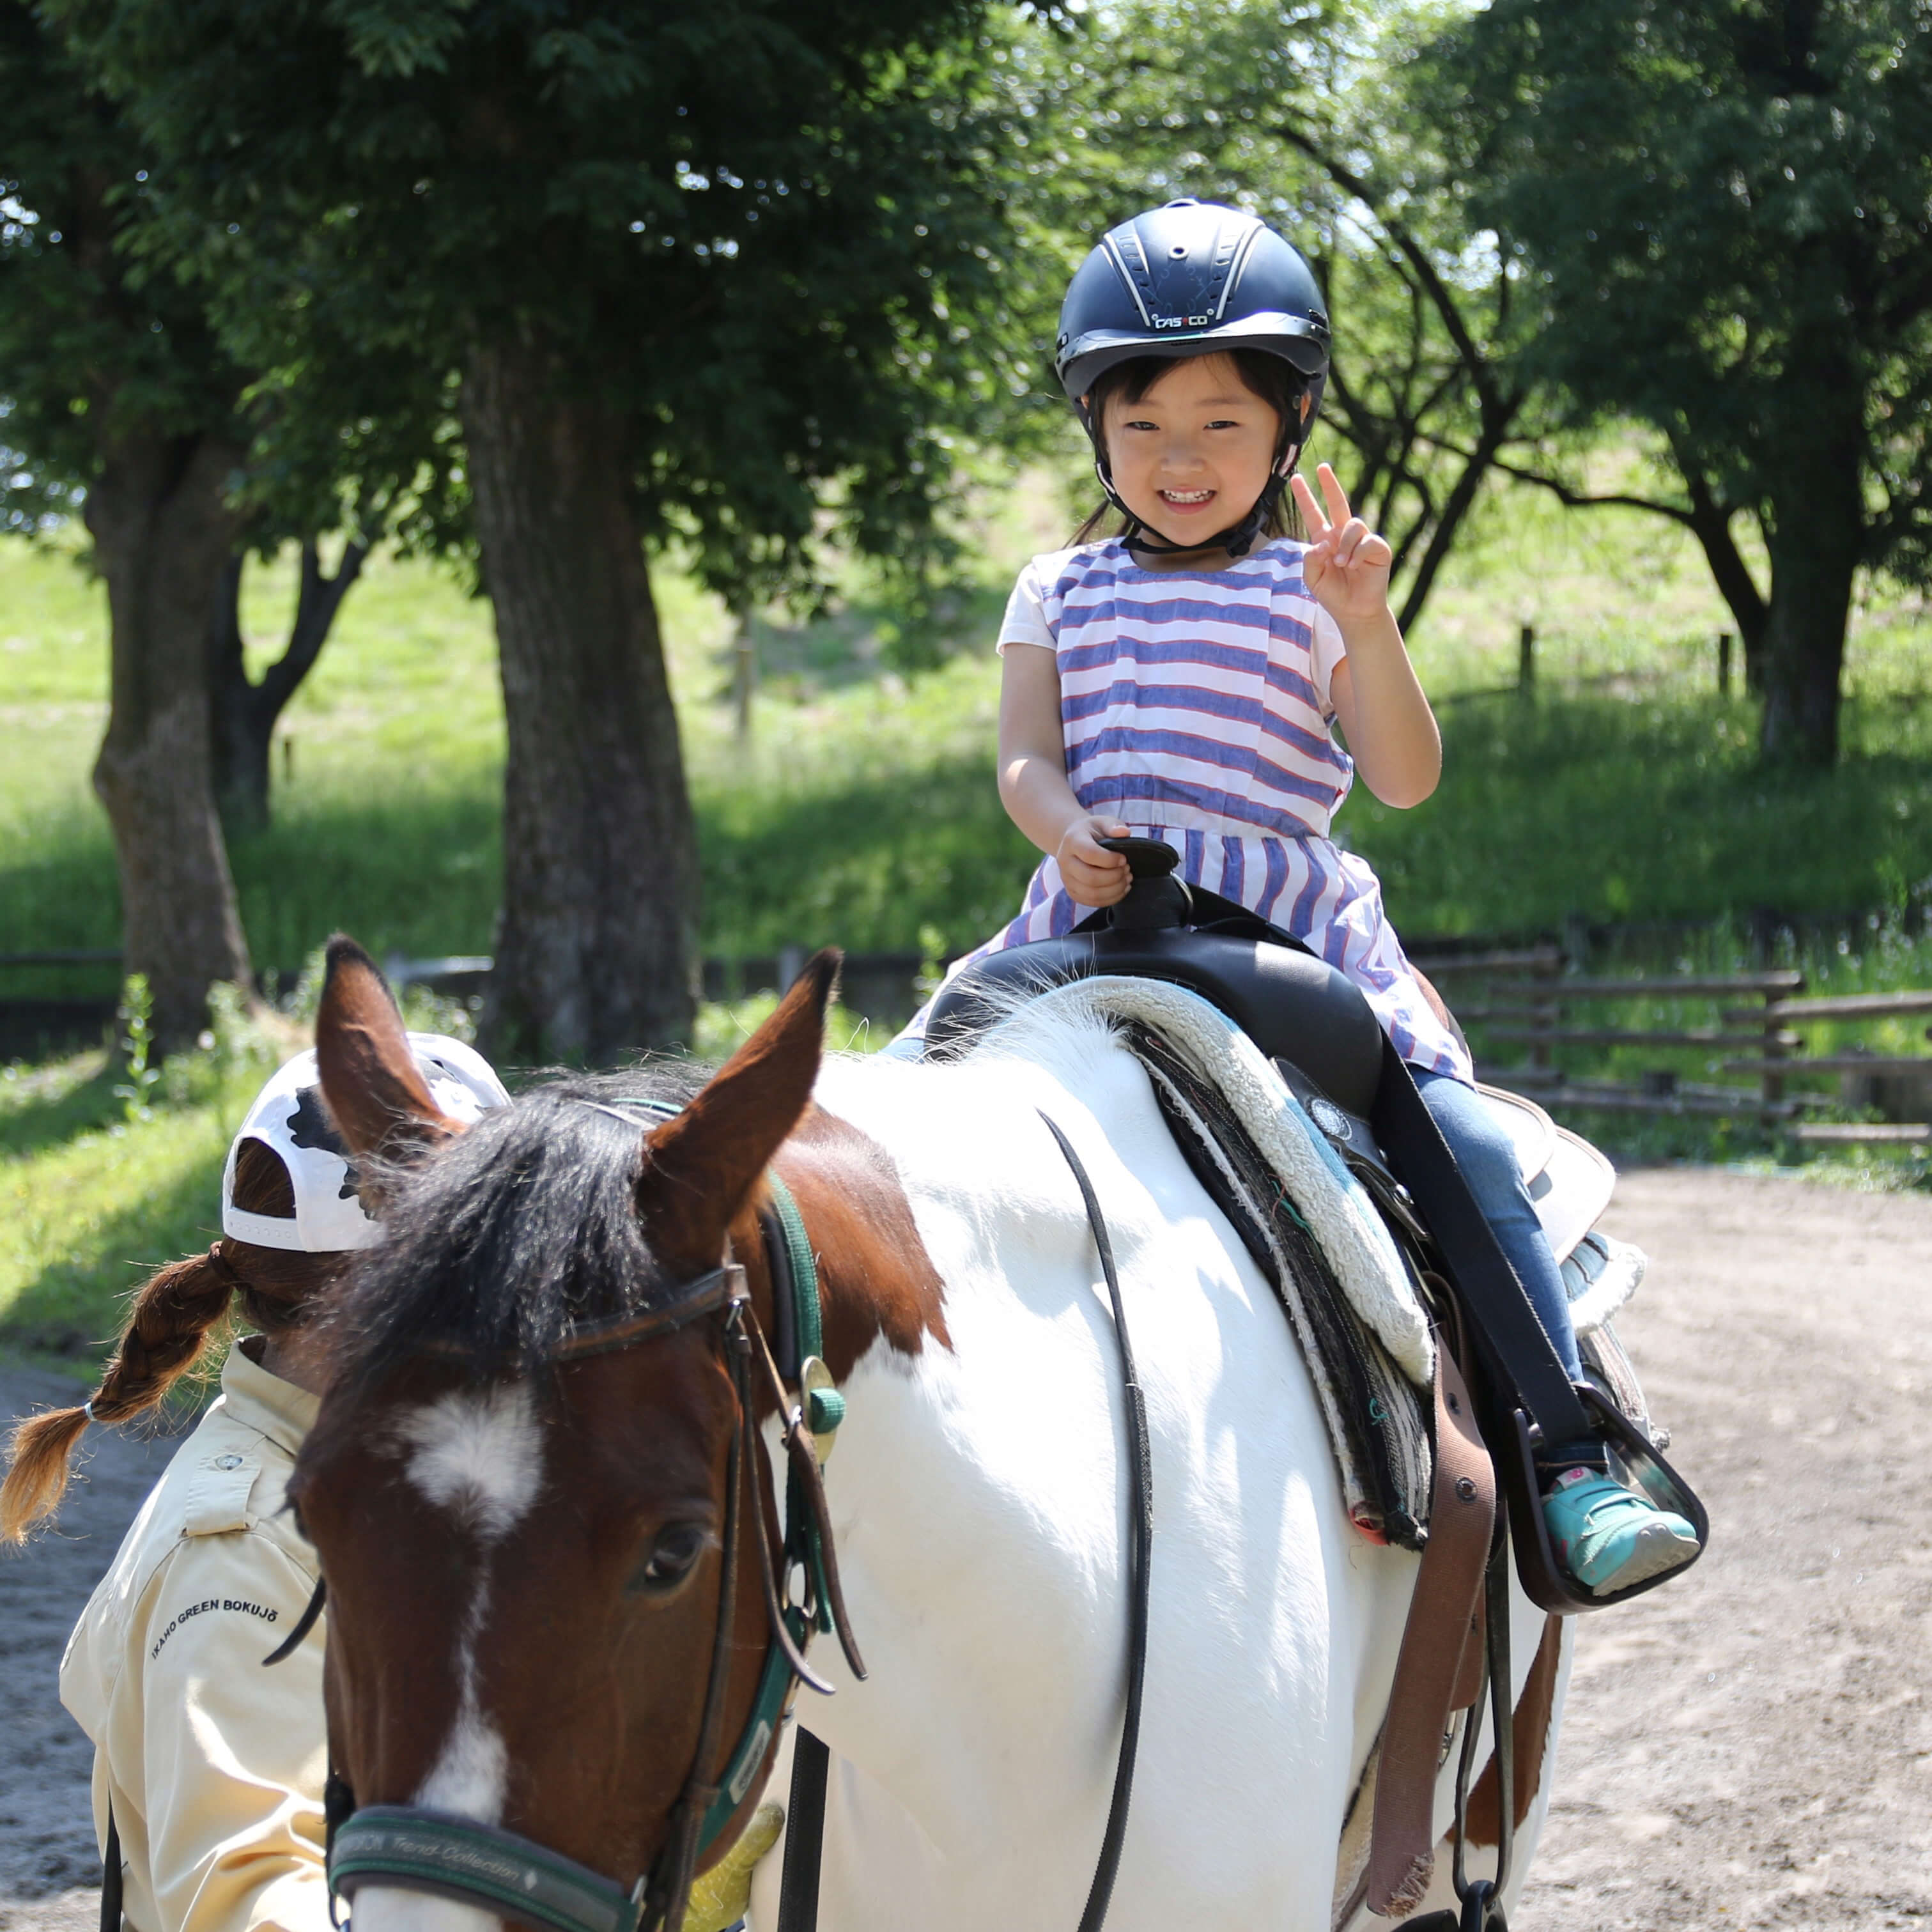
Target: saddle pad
[(1342, 1220), (1570, 1183), (1356, 1314), (1376, 1426)]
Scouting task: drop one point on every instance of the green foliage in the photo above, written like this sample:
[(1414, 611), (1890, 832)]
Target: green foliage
[(1718, 213), (140, 1076), (768, 239), (88, 348), (1721, 210), (1295, 110)]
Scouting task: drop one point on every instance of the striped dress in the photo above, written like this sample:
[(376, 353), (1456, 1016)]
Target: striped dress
[(1195, 708)]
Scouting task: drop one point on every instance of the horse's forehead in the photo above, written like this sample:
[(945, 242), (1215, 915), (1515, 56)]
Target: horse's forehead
[(476, 1453)]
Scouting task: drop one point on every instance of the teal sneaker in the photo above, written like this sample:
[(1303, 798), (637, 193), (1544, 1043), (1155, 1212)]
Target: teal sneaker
[(1608, 1538)]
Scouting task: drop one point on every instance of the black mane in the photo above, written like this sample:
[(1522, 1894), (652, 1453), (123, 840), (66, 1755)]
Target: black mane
[(513, 1231)]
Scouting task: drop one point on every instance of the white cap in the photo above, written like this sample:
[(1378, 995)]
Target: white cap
[(289, 1119)]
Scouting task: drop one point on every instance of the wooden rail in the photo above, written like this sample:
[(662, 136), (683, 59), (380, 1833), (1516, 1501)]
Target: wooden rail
[(1528, 1008)]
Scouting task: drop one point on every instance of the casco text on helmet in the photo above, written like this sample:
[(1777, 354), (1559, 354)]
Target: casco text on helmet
[(1189, 278)]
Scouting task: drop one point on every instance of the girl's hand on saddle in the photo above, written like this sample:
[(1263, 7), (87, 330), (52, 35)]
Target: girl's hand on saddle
[(1092, 875), (1347, 565)]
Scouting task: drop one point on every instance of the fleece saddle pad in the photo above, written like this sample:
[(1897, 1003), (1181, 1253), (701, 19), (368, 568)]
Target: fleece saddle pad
[(1377, 1426), (1352, 1301), (1353, 1304)]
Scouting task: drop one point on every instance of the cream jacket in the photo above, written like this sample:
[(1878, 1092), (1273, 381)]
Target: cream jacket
[(214, 1765)]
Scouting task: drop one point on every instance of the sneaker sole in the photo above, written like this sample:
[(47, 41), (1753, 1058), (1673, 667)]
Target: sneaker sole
[(1658, 1548)]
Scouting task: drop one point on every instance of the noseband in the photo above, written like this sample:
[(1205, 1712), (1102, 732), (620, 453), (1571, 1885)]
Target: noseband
[(511, 1876)]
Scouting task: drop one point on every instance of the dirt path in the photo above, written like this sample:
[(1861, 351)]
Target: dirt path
[(1750, 1748), (50, 1867)]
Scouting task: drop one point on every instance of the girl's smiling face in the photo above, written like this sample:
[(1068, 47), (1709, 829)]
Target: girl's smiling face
[(1190, 457)]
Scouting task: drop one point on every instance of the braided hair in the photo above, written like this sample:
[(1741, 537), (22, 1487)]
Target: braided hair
[(170, 1327)]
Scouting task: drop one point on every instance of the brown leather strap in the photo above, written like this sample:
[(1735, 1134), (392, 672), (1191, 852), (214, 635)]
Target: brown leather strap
[(1442, 1632)]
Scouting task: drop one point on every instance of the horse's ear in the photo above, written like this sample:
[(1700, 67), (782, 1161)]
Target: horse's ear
[(370, 1077), (699, 1166)]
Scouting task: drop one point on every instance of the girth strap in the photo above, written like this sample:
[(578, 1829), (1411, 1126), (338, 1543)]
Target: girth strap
[(1433, 1678), (1140, 1554), (805, 1834)]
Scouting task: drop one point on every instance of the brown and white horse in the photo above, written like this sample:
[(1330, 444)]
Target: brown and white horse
[(523, 1552)]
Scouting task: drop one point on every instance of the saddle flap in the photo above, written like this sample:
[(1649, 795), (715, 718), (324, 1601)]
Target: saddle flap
[(1570, 1183)]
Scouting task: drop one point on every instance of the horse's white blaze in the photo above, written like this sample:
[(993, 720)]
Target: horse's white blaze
[(470, 1776), (471, 1773), (383, 1908), (477, 1452)]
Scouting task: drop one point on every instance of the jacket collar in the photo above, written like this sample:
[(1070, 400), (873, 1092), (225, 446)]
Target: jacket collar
[(266, 1403)]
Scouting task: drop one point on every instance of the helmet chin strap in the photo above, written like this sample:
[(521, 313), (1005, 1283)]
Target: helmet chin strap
[(1237, 539)]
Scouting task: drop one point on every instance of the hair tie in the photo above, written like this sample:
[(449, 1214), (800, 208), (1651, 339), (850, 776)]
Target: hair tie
[(87, 1409)]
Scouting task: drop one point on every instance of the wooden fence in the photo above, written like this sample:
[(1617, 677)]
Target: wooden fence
[(1525, 1000), (1527, 1013)]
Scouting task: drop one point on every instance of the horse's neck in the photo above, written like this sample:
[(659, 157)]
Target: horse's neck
[(979, 1487)]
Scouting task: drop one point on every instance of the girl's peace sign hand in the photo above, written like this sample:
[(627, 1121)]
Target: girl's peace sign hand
[(1347, 566)]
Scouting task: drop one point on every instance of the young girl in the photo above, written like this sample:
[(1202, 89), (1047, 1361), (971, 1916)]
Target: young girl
[(1181, 681), (207, 1768)]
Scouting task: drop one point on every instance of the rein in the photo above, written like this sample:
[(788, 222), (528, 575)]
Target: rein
[(805, 1821), (508, 1876)]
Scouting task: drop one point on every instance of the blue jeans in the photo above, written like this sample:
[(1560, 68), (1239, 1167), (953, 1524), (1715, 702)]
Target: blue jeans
[(1485, 1154)]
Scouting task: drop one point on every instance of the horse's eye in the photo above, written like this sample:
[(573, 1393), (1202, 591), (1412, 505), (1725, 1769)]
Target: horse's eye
[(678, 1547)]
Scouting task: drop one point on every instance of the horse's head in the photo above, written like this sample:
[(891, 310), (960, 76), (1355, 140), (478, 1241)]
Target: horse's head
[(526, 1538)]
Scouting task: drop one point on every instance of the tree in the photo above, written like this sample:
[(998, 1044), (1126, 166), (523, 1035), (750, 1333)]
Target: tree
[(244, 711), (1721, 212), (689, 261), (1299, 110), (116, 387), (344, 442)]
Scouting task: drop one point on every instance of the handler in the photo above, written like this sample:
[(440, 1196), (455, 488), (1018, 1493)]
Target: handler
[(207, 1768)]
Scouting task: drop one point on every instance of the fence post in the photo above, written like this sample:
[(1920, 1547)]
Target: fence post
[(745, 674), (1525, 661), (1724, 664), (1576, 941), (1546, 1013), (1771, 1087), (791, 964)]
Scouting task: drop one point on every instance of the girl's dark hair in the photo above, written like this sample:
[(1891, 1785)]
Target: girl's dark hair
[(168, 1330), (1273, 378)]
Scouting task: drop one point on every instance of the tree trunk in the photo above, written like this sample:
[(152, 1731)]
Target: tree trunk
[(243, 716), (1456, 508), (1815, 550), (596, 944), (163, 536), (1711, 524)]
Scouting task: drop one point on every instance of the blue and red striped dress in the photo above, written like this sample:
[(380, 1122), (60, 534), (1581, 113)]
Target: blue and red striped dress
[(1195, 708)]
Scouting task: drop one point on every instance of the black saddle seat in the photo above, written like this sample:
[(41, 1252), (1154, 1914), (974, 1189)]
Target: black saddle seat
[(1294, 1006)]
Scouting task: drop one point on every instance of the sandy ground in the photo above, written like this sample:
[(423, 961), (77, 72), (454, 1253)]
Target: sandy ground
[(1750, 1748), (50, 1864)]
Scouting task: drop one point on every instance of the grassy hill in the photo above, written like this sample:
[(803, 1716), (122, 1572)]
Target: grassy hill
[(862, 811)]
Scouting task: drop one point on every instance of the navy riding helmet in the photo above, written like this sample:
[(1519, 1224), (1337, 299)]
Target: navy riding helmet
[(1190, 279)]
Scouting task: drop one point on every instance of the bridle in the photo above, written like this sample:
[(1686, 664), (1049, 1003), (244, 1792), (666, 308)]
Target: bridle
[(508, 1876)]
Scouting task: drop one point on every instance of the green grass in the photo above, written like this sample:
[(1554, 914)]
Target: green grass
[(91, 1202), (861, 812)]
